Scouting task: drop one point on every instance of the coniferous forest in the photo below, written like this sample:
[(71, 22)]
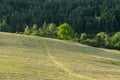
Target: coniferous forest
[(100, 18)]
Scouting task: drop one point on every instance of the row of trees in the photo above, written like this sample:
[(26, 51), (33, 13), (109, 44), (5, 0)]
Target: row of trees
[(47, 30), (102, 39), (65, 31), (90, 16)]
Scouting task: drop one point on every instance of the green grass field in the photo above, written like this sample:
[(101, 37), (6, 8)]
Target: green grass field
[(25, 57)]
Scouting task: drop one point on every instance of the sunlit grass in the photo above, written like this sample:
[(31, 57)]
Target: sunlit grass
[(26, 58)]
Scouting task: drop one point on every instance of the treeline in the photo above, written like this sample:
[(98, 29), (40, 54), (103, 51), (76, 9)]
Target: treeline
[(89, 16), (102, 40), (65, 31)]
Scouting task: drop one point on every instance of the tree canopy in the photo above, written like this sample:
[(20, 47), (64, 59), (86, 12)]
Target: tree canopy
[(65, 31), (89, 16)]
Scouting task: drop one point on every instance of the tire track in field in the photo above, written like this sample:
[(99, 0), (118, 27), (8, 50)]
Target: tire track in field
[(47, 51)]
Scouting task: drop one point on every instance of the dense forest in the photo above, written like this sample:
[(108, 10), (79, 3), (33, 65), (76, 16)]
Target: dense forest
[(90, 16)]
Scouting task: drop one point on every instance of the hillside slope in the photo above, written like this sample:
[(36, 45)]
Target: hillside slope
[(34, 58)]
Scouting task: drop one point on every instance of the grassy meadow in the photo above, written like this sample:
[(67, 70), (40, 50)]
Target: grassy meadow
[(25, 57)]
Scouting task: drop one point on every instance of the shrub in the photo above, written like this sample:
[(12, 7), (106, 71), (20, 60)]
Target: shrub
[(117, 45), (107, 41), (115, 38), (91, 42), (4, 26), (34, 30), (100, 39), (51, 29), (83, 37), (27, 30)]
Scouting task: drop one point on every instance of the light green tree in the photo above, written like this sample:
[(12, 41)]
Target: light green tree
[(65, 31), (34, 30), (83, 37), (4, 26), (44, 27), (27, 30), (116, 39), (100, 39), (107, 40), (51, 29)]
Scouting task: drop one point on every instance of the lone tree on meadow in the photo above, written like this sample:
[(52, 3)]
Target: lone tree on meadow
[(65, 31)]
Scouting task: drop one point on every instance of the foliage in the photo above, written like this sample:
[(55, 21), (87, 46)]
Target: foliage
[(116, 39), (83, 37), (89, 16), (65, 31), (44, 27), (4, 26), (48, 30), (34, 30), (51, 29), (91, 42), (76, 37), (107, 41), (27, 30), (117, 45), (100, 38)]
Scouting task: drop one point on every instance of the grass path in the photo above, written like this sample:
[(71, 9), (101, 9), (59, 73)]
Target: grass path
[(47, 51)]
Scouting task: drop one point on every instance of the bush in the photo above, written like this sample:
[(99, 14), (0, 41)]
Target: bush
[(27, 30), (117, 45), (107, 41), (83, 37), (115, 38), (100, 39), (34, 30), (51, 30), (91, 42), (4, 26), (76, 38)]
